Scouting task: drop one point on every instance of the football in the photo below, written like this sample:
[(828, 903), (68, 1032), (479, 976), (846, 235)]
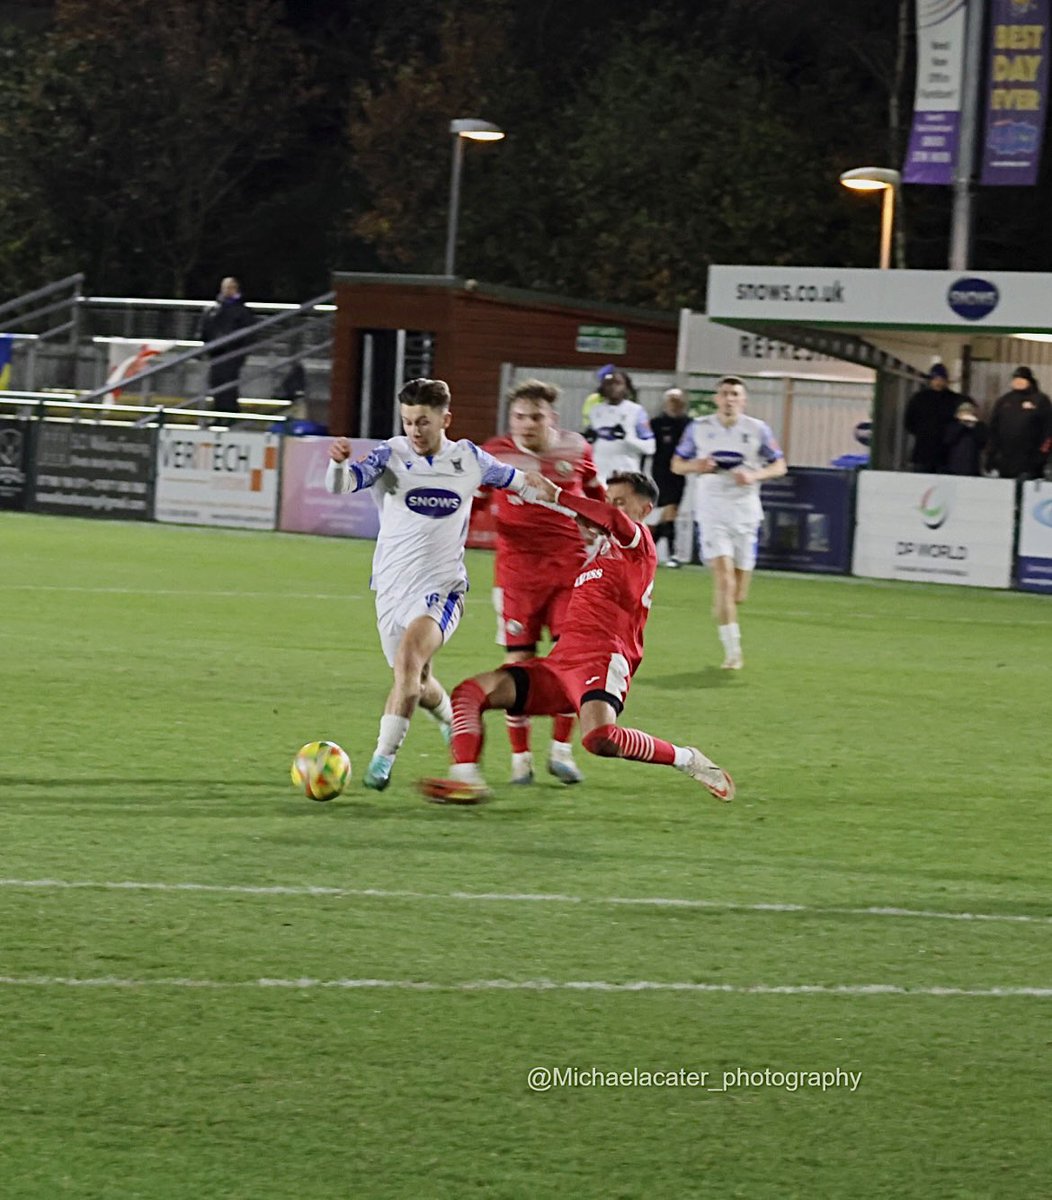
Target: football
[(321, 769)]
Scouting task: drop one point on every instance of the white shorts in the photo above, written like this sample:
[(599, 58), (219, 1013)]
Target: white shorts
[(393, 618), (739, 542)]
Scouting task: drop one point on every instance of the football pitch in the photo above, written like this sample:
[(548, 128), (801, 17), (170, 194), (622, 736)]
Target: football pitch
[(839, 985)]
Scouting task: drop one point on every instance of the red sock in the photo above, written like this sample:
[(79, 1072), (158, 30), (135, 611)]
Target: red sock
[(518, 733), (610, 741), (562, 727), (469, 703)]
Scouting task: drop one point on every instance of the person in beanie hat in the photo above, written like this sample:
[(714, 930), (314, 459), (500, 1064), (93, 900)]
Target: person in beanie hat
[(929, 414), (1020, 429)]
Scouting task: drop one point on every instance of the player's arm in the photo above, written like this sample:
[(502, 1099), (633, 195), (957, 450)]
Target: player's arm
[(613, 521), (591, 484), (640, 436), (497, 474), (774, 466), (685, 460), (342, 476)]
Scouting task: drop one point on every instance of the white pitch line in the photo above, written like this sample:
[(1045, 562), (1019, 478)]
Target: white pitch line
[(129, 885), (127, 591), (529, 985)]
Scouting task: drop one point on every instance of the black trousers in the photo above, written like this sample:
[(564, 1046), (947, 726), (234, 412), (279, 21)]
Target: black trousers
[(224, 386)]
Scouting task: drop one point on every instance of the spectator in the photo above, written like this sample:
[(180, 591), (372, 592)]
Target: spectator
[(965, 440), (928, 415), (668, 427), (228, 314), (1020, 429)]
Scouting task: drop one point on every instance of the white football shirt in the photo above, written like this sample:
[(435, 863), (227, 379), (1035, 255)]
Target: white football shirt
[(612, 451), (425, 506), (716, 496)]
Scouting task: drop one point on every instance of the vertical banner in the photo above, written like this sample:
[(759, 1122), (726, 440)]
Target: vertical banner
[(1034, 564), (1017, 92), (932, 153)]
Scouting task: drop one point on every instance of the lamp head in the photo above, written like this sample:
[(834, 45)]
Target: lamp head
[(476, 130), (870, 179)]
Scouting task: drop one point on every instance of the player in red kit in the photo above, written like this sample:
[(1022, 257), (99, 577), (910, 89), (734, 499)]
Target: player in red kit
[(591, 667), (538, 555)]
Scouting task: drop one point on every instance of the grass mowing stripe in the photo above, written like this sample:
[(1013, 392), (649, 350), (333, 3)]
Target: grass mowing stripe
[(517, 898)]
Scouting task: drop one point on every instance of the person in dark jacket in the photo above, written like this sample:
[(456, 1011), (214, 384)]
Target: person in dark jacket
[(965, 440), (668, 427), (1020, 429), (928, 416), (229, 313)]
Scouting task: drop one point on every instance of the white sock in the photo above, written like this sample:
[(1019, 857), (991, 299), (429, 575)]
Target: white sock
[(731, 637), (392, 734), (683, 757), (466, 773), (443, 710)]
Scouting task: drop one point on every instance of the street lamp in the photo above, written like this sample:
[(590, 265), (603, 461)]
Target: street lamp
[(463, 129), (878, 179)]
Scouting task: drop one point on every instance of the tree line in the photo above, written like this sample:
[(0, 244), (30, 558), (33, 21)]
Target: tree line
[(157, 147)]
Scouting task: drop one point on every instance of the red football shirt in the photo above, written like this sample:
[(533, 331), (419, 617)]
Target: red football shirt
[(611, 595), (534, 544)]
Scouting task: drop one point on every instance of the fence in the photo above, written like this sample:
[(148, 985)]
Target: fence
[(814, 420)]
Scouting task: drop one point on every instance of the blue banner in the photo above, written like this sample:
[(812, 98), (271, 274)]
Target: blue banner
[(1017, 92), (807, 522)]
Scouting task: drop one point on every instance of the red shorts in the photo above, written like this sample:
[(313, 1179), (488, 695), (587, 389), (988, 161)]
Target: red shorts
[(524, 612), (552, 685)]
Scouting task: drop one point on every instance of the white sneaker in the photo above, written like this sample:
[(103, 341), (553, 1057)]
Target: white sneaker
[(565, 770), (733, 662), (714, 779), (522, 768)]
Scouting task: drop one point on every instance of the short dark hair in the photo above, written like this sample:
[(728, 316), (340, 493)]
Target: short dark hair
[(733, 380), (534, 389), (640, 483), (431, 393)]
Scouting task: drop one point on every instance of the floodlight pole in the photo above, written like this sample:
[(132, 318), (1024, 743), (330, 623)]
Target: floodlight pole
[(454, 203), (963, 177)]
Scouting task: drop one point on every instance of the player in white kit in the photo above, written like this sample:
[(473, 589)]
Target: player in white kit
[(618, 428), (731, 454), (423, 484)]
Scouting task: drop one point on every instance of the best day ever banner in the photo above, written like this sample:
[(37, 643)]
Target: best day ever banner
[(1017, 92)]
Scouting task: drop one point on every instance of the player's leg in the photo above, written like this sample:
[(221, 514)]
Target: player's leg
[(743, 546), (601, 735), (560, 754), (518, 631), (412, 654), (725, 606), (464, 783)]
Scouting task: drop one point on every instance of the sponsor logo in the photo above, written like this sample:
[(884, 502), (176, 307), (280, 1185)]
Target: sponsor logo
[(972, 299), (594, 679), (727, 460), (864, 432), (1013, 137), (594, 573), (934, 506), (1042, 513), (10, 447), (932, 550), (515, 628), (432, 502), (563, 468)]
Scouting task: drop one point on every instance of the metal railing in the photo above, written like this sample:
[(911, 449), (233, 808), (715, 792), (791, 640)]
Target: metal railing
[(287, 336)]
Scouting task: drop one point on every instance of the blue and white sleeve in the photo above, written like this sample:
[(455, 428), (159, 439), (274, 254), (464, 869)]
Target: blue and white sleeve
[(496, 474), (643, 440), (355, 476), (686, 448), (770, 451)]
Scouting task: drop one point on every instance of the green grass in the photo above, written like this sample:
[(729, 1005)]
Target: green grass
[(891, 748)]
